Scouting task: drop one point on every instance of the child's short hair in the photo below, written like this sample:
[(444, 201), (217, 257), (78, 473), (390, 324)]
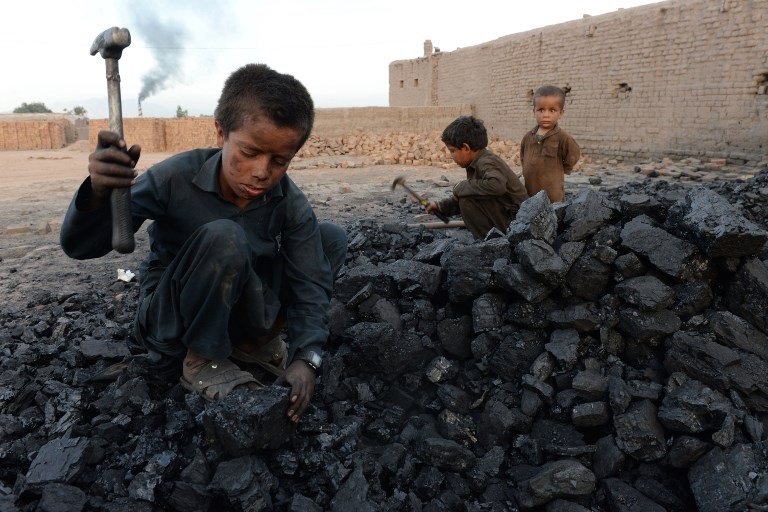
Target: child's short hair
[(256, 90), (466, 130), (549, 90)]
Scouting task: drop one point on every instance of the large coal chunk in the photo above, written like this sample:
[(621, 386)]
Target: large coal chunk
[(516, 353), (633, 205), (734, 331), (250, 420), (61, 498), (357, 278), (748, 294), (586, 214), (700, 357), (608, 459), (433, 251), (675, 257), (646, 292), (714, 225), (244, 483), (446, 454), (558, 479), (589, 277), (691, 407), (583, 317), (469, 269), (648, 326), (691, 298), (639, 433), (488, 312), (723, 479), (415, 277), (378, 348), (60, 460), (353, 494), (515, 279), (535, 220), (542, 261), (565, 346), (455, 336), (498, 423), (622, 497)]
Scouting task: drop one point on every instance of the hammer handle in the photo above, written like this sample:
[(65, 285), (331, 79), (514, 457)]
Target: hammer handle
[(120, 198), (424, 202)]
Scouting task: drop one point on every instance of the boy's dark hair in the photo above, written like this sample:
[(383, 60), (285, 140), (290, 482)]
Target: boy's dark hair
[(549, 90), (466, 130), (256, 90)]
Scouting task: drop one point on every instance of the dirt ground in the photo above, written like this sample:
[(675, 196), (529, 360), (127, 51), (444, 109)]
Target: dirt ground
[(37, 186)]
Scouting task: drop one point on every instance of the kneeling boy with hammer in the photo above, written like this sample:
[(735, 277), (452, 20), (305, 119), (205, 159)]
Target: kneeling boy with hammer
[(492, 193), (236, 251)]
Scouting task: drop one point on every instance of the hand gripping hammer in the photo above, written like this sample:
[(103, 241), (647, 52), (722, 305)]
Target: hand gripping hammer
[(400, 180), (110, 44)]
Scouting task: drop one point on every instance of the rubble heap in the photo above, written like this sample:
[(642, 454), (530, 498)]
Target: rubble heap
[(605, 353), (404, 148)]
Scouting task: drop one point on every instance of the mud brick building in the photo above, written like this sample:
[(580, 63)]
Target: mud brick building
[(684, 78)]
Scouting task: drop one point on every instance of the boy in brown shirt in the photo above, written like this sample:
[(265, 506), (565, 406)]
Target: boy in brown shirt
[(492, 192), (547, 152)]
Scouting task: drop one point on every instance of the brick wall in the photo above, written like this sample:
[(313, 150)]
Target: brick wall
[(148, 132), (675, 78), (346, 121), (33, 132)]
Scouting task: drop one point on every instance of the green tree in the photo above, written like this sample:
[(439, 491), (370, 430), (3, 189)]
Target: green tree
[(32, 108), (181, 112), (79, 111)]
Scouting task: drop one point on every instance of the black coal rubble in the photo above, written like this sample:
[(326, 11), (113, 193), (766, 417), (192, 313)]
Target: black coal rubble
[(605, 353)]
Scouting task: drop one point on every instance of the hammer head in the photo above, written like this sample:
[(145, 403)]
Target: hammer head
[(400, 180), (111, 42)]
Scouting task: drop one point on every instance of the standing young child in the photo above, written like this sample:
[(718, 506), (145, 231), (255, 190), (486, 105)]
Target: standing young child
[(547, 152), (492, 193)]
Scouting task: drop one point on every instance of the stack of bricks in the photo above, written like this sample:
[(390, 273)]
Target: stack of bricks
[(148, 132), (36, 135), (392, 148), (181, 132)]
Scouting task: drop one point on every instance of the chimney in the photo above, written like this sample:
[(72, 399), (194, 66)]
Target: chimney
[(141, 113), (427, 47)]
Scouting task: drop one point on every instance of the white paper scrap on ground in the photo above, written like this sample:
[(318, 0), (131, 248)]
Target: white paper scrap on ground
[(125, 275)]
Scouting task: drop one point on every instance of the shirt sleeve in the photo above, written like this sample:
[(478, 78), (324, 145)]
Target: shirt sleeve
[(86, 233), (449, 206), (309, 280), (572, 153), (488, 180)]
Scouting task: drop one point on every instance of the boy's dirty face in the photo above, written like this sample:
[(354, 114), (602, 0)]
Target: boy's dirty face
[(254, 158), (548, 111), (463, 156)]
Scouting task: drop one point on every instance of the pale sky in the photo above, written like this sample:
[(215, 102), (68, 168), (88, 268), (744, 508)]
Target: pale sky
[(339, 49)]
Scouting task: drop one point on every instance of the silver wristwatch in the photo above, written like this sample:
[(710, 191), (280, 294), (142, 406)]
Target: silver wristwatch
[(312, 358)]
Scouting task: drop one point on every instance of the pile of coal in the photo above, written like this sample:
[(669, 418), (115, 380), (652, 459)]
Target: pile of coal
[(607, 353)]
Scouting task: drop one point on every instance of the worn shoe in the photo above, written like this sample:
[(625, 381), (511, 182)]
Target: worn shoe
[(271, 356), (217, 379)]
